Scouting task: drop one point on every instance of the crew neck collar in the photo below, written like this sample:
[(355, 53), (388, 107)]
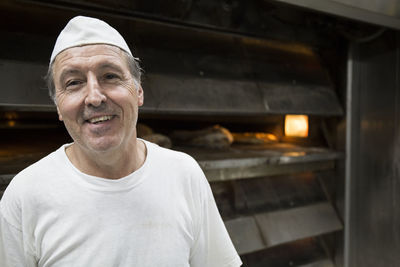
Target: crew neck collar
[(105, 184)]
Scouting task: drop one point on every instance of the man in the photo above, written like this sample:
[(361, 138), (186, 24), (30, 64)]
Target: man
[(108, 199)]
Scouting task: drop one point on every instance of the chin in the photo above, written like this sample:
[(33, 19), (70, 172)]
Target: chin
[(103, 145)]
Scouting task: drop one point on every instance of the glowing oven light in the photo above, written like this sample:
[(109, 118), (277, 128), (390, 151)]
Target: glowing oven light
[(11, 123), (296, 125)]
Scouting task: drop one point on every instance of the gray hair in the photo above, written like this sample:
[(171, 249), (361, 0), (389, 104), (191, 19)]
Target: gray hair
[(133, 65)]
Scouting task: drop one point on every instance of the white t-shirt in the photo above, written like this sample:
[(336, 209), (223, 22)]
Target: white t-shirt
[(161, 215)]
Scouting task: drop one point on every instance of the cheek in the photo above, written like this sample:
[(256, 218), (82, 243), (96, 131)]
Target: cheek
[(67, 108), (126, 96)]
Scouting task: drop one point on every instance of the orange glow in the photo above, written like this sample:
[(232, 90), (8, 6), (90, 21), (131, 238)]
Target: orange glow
[(296, 125), (11, 123), (11, 115)]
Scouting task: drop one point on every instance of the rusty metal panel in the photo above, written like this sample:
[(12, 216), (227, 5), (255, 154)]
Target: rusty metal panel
[(292, 97), (245, 234), (183, 94), (267, 194), (266, 230), (284, 226)]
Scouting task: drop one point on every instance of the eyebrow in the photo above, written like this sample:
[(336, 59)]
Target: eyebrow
[(109, 65), (106, 65), (67, 72)]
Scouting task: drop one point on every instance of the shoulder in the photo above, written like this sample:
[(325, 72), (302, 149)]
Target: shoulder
[(177, 166), (39, 170), (34, 177), (25, 187), (171, 158)]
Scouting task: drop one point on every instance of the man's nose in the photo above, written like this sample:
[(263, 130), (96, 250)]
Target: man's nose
[(94, 96)]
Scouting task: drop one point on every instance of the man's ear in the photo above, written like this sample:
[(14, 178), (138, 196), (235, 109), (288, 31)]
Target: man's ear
[(140, 94), (59, 115)]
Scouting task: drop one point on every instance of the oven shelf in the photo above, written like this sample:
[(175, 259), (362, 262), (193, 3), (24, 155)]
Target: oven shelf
[(236, 162), (241, 162)]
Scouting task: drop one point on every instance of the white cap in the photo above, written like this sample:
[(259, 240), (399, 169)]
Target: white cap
[(82, 30)]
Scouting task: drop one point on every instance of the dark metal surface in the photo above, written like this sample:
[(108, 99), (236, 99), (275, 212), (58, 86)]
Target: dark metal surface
[(322, 263), (241, 198), (187, 70), (237, 18), (5, 179), (261, 213), (372, 184), (382, 12), (23, 85), (245, 234), (297, 253), (277, 91), (298, 223), (282, 226)]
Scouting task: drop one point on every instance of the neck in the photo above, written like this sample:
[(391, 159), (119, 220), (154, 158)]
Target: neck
[(109, 164)]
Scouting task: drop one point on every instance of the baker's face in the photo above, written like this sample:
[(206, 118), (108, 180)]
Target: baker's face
[(97, 97)]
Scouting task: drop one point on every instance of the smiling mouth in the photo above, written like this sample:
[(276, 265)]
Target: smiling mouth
[(101, 119)]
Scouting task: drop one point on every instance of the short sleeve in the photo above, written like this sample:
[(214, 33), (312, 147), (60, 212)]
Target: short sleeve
[(13, 243), (12, 253), (213, 246)]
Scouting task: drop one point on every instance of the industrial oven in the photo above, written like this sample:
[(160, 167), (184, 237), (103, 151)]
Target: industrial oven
[(251, 68)]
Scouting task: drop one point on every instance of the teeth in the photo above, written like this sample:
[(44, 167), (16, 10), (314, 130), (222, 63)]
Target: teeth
[(100, 119)]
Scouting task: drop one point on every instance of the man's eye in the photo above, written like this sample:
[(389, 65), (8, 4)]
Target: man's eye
[(72, 83), (110, 76)]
